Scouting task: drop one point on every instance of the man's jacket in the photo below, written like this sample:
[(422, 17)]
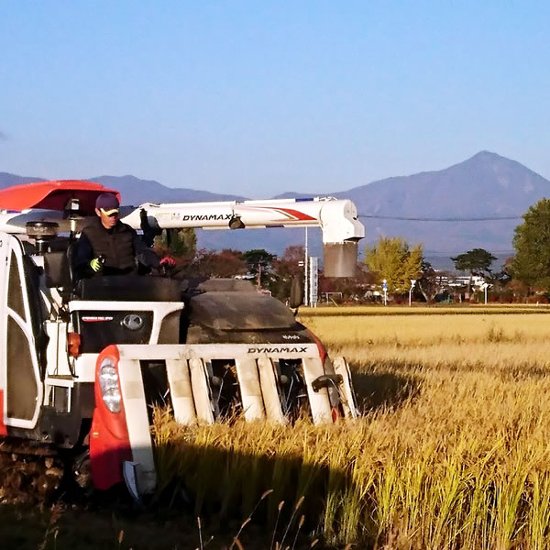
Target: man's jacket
[(120, 246)]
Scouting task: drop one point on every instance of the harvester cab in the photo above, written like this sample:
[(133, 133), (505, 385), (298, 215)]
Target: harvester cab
[(82, 366)]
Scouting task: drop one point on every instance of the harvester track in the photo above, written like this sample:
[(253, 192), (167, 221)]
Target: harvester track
[(33, 475)]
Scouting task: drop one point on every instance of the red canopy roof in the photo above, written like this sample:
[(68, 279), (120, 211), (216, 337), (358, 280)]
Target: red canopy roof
[(53, 195)]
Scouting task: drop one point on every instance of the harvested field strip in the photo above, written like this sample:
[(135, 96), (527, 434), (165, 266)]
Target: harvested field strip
[(421, 330), (490, 309)]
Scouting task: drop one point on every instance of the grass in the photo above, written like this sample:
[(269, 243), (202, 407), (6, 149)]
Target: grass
[(453, 450)]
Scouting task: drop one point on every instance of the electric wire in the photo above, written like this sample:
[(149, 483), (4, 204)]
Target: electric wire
[(426, 219)]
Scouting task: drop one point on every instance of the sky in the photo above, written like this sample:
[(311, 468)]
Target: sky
[(259, 98)]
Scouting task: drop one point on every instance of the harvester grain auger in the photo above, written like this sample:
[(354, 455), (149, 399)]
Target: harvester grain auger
[(82, 368)]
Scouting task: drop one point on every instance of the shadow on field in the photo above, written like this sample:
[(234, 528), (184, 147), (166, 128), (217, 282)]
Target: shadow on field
[(287, 498), (377, 391), (289, 501), (88, 527)]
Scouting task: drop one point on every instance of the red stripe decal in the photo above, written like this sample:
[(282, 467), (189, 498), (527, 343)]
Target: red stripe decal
[(293, 214)]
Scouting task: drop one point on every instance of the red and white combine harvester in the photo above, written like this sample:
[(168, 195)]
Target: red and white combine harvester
[(82, 365)]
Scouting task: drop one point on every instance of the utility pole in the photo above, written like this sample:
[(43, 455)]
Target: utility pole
[(306, 272), (485, 286), (313, 280), (413, 282)]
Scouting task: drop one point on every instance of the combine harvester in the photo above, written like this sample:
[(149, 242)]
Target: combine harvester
[(82, 365)]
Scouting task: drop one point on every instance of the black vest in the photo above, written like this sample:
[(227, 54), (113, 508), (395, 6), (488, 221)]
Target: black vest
[(115, 244)]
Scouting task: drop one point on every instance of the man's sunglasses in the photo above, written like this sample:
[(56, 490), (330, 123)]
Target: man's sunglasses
[(110, 213)]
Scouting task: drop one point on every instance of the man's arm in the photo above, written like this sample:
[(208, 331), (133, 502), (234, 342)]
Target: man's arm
[(82, 256), (145, 255)]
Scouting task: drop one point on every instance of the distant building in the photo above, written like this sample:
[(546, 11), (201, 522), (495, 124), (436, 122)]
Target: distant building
[(465, 280)]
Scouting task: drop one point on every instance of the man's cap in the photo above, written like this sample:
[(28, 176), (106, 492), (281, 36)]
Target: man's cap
[(107, 202)]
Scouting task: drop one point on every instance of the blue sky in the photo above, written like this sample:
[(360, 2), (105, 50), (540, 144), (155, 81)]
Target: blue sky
[(257, 98)]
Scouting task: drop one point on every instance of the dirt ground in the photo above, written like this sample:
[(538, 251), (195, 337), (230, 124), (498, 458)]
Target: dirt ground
[(40, 510), (60, 526), (67, 526)]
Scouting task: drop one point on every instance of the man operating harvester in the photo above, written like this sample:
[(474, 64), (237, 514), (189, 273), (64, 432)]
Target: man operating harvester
[(109, 247)]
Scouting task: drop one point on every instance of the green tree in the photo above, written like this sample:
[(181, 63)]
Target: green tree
[(475, 261), (260, 263), (392, 259), (531, 264)]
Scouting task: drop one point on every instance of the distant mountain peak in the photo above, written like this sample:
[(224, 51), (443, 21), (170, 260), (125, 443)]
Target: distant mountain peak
[(482, 155), (516, 172), (483, 158), (482, 198)]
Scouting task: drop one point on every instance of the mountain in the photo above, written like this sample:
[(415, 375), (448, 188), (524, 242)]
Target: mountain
[(137, 191), (7, 180), (484, 186)]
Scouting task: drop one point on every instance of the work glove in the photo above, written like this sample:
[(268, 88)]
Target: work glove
[(96, 264), (167, 262)]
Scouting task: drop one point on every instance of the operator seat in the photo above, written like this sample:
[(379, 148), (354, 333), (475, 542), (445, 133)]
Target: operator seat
[(58, 268)]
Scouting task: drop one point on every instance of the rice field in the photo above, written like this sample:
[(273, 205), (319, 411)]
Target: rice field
[(452, 450)]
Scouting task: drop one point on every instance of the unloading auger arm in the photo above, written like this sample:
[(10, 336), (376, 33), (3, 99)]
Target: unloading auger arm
[(68, 202), (337, 219)]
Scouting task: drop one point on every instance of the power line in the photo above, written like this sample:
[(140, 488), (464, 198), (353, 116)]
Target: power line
[(400, 218)]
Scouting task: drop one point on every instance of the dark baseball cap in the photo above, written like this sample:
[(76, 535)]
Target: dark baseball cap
[(107, 202)]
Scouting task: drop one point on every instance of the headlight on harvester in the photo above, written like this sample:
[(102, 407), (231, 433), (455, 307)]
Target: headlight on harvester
[(109, 384)]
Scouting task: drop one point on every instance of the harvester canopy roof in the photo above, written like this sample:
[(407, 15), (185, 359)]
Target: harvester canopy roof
[(54, 195)]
